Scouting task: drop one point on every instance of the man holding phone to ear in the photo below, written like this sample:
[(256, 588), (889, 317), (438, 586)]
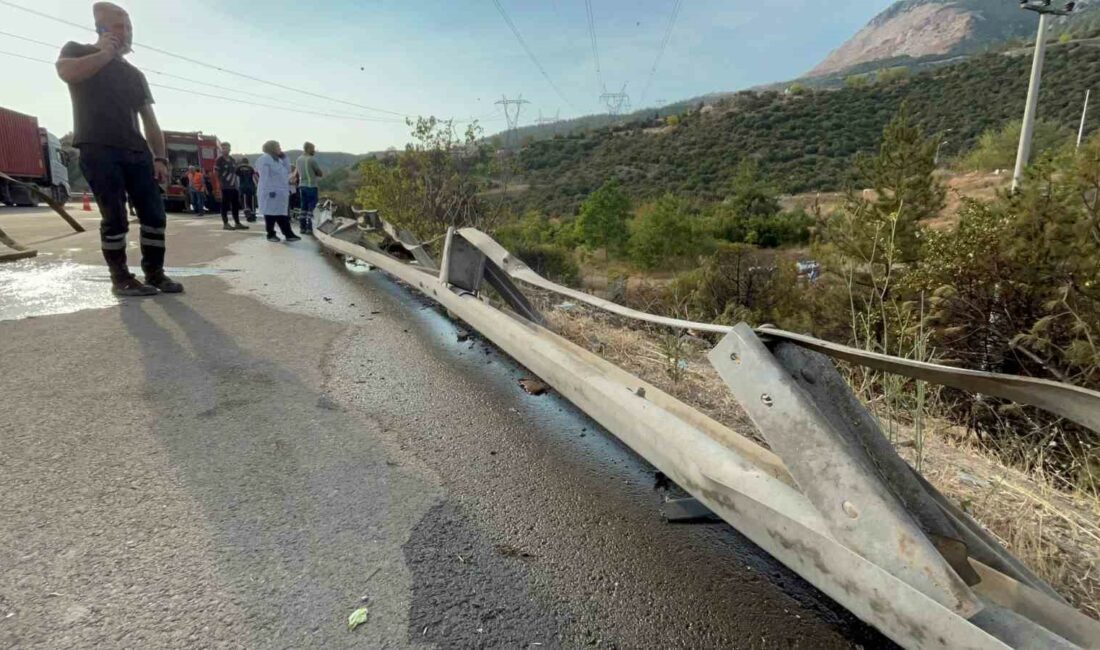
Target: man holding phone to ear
[(109, 95)]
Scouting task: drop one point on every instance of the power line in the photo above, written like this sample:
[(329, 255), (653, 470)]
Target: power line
[(664, 44), (208, 65), (28, 58), (29, 40), (205, 84), (595, 45), (384, 120), (357, 118), (530, 54)]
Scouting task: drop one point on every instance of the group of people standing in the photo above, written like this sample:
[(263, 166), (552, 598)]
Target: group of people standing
[(237, 179), (273, 188), (111, 98)]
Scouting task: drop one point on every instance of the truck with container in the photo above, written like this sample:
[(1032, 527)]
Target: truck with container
[(184, 150), (30, 155)]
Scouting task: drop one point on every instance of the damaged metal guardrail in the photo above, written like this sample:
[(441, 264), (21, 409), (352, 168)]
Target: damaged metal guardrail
[(836, 505)]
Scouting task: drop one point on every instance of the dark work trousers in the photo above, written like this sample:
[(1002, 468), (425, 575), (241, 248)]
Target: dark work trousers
[(231, 199), (309, 204), (113, 174), (248, 201), (284, 224)]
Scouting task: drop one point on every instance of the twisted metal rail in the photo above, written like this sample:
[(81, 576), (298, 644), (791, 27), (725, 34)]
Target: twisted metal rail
[(1072, 402), (838, 508)]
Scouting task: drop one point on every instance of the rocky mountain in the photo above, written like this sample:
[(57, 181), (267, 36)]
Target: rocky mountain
[(923, 29)]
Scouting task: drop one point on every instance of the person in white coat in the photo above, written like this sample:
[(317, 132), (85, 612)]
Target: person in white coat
[(273, 191)]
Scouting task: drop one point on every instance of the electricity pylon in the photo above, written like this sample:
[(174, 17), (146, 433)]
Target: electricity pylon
[(512, 108), (549, 121), (617, 103)]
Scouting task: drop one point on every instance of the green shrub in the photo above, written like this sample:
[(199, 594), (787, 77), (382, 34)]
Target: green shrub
[(664, 234), (551, 262), (996, 148)]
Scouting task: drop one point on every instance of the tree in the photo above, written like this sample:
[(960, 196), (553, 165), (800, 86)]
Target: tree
[(1014, 289), (881, 224), (996, 148), (603, 219), (749, 195), (888, 75), (663, 233), (431, 185), (857, 81)]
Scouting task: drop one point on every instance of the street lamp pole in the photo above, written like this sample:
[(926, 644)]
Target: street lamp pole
[(1023, 154)]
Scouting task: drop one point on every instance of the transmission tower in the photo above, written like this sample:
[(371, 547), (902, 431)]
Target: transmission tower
[(616, 103), (549, 121), (512, 108), (542, 121)]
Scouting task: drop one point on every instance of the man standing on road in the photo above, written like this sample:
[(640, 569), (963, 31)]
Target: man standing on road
[(308, 174), (108, 96), (226, 169), (247, 175)]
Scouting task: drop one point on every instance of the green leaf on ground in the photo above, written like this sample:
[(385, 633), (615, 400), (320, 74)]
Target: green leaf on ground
[(357, 618)]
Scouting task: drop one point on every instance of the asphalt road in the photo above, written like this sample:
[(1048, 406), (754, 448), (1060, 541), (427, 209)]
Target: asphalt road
[(247, 464)]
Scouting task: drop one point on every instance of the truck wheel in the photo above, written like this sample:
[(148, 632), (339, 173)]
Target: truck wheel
[(23, 197)]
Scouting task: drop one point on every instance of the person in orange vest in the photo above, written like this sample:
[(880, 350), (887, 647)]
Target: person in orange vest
[(198, 190)]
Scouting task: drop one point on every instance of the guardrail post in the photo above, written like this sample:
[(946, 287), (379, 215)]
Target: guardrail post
[(463, 264), (834, 473), (949, 529)]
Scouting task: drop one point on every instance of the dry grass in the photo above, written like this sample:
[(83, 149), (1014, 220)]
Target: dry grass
[(1055, 533), (980, 186)]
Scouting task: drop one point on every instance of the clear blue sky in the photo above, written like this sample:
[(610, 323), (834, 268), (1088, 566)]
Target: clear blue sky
[(450, 58)]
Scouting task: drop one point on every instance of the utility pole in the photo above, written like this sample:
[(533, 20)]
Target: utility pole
[(1045, 11), (1084, 117), (617, 103), (512, 108)]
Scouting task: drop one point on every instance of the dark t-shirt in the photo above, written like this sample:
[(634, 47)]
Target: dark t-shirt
[(106, 105), (226, 168), (246, 173)]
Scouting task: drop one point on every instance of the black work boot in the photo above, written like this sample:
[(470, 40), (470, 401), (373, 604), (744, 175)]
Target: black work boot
[(131, 287), (163, 283), (240, 226)]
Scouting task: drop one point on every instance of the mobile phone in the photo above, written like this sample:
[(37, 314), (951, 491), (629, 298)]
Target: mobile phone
[(101, 29)]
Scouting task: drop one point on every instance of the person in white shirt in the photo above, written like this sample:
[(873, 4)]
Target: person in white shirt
[(273, 191)]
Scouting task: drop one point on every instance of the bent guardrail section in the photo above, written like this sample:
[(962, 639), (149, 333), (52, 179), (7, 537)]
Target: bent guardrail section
[(882, 563)]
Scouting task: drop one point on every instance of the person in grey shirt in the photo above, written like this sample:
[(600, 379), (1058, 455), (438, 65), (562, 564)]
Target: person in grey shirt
[(309, 172)]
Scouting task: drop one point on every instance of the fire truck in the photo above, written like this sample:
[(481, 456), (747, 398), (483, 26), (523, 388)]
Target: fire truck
[(186, 149)]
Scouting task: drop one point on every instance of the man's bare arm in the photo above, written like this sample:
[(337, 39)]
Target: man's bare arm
[(155, 137), (75, 70)]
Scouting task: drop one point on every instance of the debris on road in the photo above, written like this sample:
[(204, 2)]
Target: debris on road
[(357, 618), (534, 387)]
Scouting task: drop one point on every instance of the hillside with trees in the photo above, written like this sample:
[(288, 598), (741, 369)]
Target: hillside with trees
[(802, 140)]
